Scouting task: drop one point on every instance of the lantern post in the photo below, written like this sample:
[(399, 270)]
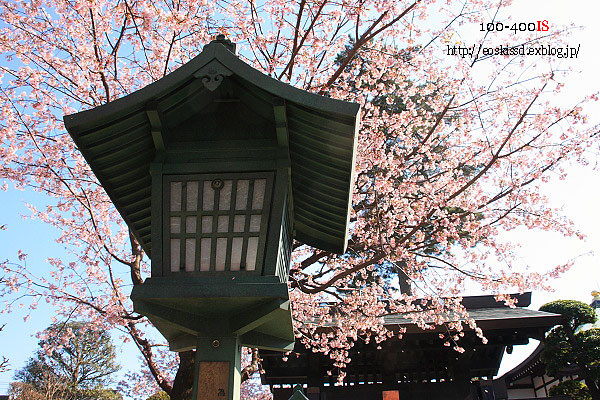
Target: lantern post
[(216, 168)]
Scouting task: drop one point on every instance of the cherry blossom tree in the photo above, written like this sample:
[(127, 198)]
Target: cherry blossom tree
[(446, 160), (4, 362)]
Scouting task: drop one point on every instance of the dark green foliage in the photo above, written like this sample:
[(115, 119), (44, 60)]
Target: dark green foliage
[(576, 312), (56, 390), (558, 352), (566, 350), (76, 368), (159, 396), (98, 394), (588, 348), (574, 389)]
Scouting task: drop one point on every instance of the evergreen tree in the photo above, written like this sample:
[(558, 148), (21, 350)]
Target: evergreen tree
[(72, 363), (566, 348)]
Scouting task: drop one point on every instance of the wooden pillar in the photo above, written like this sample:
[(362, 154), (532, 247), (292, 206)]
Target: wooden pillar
[(217, 375), (313, 375)]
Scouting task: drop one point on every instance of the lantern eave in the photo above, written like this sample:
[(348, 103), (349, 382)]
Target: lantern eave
[(115, 110), (322, 136), (258, 312)]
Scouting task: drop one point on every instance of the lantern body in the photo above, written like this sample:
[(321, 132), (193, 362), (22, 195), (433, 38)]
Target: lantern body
[(216, 169), (222, 211)]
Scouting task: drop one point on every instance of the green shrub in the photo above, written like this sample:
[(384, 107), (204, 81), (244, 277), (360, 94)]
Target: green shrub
[(575, 312), (574, 389)]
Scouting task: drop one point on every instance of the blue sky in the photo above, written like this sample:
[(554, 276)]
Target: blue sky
[(18, 341)]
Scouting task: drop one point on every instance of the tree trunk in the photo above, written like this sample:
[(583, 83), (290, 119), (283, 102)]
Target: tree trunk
[(184, 380), (585, 372), (593, 387)]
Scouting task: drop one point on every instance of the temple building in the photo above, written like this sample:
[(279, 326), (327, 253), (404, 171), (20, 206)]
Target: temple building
[(528, 380), (418, 366)]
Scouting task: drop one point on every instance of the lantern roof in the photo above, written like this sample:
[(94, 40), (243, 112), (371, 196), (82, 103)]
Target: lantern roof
[(121, 139)]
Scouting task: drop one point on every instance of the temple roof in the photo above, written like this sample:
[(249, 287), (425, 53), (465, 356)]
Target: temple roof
[(532, 365), (421, 355), (120, 139), (490, 314)]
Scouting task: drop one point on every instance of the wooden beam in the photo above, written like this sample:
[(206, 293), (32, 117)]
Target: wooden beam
[(283, 142), (266, 342), (251, 319), (183, 342), (156, 125), (184, 321), (281, 123)]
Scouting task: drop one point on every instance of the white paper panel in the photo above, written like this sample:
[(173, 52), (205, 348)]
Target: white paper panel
[(258, 196), (223, 223), (207, 224), (221, 254), (225, 196), (251, 253), (175, 196), (255, 223), (175, 259), (208, 197), (205, 254), (241, 197), (175, 225), (190, 254), (190, 225), (236, 253), (192, 196), (239, 222)]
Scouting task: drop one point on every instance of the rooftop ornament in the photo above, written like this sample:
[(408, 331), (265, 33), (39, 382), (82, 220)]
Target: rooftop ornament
[(216, 168)]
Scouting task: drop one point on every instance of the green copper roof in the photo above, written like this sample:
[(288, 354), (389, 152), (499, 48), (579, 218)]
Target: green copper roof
[(320, 134)]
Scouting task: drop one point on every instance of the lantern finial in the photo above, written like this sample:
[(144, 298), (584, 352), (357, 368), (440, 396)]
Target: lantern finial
[(221, 39)]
